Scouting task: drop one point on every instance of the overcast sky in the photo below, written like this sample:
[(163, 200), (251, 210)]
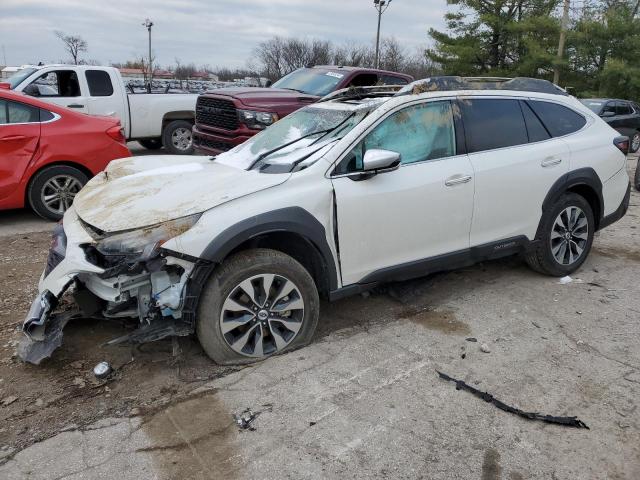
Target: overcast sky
[(214, 32)]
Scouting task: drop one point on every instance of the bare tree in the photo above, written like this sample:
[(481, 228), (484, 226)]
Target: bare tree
[(73, 44), (392, 55), (184, 72), (269, 55)]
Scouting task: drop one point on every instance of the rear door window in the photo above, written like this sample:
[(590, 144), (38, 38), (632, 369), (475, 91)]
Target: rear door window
[(558, 119), (99, 83), (536, 130), (21, 113), (492, 123)]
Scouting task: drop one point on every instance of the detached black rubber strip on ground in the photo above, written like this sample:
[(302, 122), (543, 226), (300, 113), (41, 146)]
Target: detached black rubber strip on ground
[(487, 397)]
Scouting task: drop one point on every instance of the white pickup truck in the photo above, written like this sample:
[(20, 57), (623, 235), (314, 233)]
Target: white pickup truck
[(154, 120)]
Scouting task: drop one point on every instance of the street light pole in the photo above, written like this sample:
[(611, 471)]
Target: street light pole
[(381, 7), (148, 23)]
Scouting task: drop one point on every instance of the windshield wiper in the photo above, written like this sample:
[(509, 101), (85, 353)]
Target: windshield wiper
[(264, 155), (294, 90), (322, 133)]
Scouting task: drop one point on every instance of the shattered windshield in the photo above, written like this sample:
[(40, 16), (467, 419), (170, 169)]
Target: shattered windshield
[(298, 132)]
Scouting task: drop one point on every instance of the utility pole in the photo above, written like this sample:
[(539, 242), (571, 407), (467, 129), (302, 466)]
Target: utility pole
[(148, 23), (381, 7), (4, 55), (563, 35)]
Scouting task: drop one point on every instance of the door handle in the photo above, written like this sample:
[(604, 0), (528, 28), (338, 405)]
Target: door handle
[(551, 162), (75, 105), (457, 180), (13, 137)]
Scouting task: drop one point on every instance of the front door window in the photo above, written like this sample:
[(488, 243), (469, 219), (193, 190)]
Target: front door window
[(418, 133)]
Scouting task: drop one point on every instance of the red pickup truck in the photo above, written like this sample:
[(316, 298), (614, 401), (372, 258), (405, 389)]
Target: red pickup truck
[(229, 116)]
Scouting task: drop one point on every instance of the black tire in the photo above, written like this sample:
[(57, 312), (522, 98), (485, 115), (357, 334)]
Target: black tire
[(541, 258), (634, 140), (172, 143), (151, 143), (636, 178), (40, 187), (225, 280)]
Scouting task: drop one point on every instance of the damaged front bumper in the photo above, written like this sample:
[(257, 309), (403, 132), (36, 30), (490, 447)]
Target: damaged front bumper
[(157, 288)]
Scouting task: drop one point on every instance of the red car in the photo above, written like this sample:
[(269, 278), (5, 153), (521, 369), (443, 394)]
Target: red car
[(48, 153)]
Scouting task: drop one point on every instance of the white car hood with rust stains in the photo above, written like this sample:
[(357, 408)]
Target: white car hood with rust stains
[(141, 191)]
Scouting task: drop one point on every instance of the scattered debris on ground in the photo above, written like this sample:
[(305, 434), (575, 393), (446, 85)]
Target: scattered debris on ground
[(245, 419), (487, 397), (102, 370), (485, 348)]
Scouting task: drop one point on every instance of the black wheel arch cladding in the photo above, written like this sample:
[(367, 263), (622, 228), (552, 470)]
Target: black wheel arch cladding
[(582, 178), (289, 220)]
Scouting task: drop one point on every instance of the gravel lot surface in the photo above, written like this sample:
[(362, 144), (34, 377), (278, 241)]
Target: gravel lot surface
[(364, 399)]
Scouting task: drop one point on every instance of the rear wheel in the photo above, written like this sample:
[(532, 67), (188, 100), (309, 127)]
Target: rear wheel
[(564, 238), (52, 190), (151, 143), (258, 303), (177, 139)]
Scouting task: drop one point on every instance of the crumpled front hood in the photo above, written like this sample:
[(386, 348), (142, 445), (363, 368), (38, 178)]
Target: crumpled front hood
[(141, 191)]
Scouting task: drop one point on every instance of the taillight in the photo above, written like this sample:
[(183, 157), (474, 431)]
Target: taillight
[(622, 143), (117, 134)]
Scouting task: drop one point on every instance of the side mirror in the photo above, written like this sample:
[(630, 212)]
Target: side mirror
[(608, 113), (380, 161)]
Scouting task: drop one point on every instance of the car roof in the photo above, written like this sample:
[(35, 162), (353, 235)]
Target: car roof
[(606, 100), (347, 68)]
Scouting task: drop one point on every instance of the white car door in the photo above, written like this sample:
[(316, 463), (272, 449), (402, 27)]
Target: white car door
[(515, 160), (61, 87), (105, 95), (421, 210)]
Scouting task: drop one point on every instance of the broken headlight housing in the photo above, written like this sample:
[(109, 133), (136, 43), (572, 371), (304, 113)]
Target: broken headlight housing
[(257, 120), (145, 241)]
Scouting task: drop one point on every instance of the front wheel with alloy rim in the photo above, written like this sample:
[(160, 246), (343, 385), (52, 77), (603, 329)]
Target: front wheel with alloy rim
[(176, 137), (52, 190), (564, 237), (258, 303), (635, 143)]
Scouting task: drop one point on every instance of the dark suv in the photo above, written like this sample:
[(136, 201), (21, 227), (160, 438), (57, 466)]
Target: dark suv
[(623, 115), (229, 116)]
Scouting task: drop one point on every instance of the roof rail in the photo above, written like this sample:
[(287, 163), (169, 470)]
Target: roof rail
[(449, 83), (352, 93)]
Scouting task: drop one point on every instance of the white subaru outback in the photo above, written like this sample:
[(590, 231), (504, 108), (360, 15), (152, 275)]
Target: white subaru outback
[(368, 186)]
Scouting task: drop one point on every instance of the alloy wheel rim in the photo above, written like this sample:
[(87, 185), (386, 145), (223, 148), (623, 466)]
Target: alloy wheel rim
[(635, 142), (262, 315), (58, 193), (569, 235), (181, 138)]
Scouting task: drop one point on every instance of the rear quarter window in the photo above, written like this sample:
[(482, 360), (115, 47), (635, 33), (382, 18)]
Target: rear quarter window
[(558, 119), (99, 83), (492, 123)]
